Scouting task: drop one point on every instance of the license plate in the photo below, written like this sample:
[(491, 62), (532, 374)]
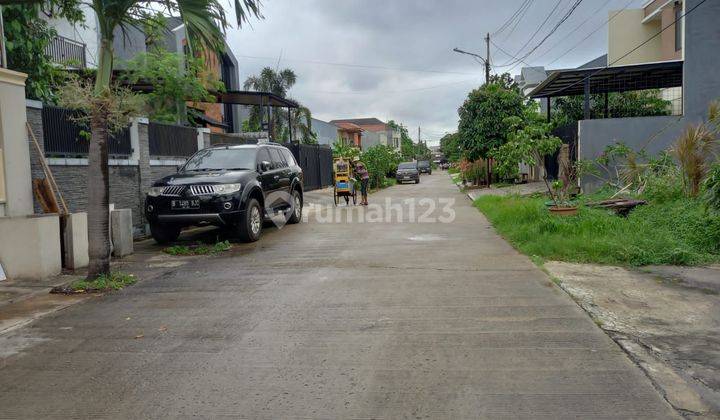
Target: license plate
[(406, 177), (184, 204)]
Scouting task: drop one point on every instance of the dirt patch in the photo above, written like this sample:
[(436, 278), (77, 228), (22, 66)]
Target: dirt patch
[(669, 325)]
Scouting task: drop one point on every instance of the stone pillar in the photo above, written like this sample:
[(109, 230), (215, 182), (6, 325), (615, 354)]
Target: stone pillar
[(16, 198), (203, 138), (141, 148)]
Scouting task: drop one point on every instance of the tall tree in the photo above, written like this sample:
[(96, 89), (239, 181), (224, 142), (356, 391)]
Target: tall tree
[(205, 22), (483, 118)]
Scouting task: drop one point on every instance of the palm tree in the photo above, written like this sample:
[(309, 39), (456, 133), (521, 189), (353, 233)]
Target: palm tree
[(205, 22), (301, 122), (278, 83)]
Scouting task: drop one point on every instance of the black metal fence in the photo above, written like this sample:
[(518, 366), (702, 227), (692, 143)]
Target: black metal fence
[(172, 140), (569, 135), (316, 163), (64, 137)]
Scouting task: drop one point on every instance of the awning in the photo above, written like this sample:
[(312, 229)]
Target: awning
[(571, 82), (238, 97)]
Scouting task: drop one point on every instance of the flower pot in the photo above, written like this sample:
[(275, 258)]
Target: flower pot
[(563, 211)]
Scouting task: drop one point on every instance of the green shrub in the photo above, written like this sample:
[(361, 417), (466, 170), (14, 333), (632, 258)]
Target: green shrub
[(711, 190), (674, 232), (113, 281)]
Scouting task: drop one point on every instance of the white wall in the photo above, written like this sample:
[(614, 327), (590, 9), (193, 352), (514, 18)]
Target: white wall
[(86, 33)]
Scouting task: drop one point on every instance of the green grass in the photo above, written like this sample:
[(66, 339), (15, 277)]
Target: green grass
[(114, 281), (677, 232), (453, 171), (198, 249)]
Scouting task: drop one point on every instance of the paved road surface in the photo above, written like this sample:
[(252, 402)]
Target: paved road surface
[(377, 320)]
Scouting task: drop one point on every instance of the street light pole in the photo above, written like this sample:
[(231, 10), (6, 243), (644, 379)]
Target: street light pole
[(485, 60)]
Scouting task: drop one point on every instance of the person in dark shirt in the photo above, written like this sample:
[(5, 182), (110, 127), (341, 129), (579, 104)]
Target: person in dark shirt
[(362, 173)]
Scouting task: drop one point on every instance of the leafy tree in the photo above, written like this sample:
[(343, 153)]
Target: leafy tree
[(422, 152), (301, 123), (173, 84), (505, 80), (204, 22), (529, 141), (27, 36), (407, 147), (450, 147), (484, 119), (643, 103), (380, 160)]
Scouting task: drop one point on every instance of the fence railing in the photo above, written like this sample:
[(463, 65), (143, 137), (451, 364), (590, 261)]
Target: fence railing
[(64, 137), (172, 140), (67, 52)]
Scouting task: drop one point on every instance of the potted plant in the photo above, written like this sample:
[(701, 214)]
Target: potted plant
[(563, 190)]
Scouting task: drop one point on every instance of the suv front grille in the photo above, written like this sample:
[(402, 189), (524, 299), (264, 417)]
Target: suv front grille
[(173, 190), (202, 189)]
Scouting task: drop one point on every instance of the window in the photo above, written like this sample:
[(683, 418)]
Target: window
[(277, 159), (678, 28), (263, 156), (221, 159), (289, 158)]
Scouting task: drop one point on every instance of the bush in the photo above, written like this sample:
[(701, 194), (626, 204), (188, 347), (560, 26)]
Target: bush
[(380, 160), (711, 190)]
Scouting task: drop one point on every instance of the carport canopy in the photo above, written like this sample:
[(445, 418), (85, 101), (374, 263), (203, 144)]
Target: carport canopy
[(604, 80), (572, 82)]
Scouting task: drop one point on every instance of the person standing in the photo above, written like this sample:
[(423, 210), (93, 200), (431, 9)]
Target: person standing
[(362, 173)]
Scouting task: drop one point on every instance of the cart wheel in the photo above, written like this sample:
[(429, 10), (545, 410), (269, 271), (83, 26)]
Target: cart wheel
[(335, 196)]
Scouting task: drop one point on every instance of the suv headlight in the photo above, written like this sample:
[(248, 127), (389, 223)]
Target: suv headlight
[(227, 188), (155, 191)]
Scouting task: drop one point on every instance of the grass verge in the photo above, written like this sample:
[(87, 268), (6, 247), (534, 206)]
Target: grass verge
[(198, 249), (105, 283), (676, 232)]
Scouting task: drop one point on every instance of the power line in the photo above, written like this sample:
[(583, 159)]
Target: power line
[(580, 25), (538, 29), (552, 31), (592, 32), (517, 22), (373, 92), (634, 49), (509, 21), (364, 66)]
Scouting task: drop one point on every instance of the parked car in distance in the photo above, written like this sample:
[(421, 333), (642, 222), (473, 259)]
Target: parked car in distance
[(424, 167), (227, 186), (407, 172)]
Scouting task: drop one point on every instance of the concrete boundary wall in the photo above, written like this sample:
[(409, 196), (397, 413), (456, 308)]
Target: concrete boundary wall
[(652, 134), (129, 178)]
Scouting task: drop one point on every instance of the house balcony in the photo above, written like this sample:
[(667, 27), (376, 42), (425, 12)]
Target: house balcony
[(67, 52)]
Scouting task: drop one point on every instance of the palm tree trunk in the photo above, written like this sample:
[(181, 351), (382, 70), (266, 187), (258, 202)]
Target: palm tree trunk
[(98, 198), (98, 173)]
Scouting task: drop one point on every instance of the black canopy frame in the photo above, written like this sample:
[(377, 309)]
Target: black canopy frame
[(604, 80)]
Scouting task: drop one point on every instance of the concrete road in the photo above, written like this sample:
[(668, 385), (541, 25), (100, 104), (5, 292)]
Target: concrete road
[(333, 320)]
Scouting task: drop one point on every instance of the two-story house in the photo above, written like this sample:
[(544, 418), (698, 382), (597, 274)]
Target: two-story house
[(374, 131)]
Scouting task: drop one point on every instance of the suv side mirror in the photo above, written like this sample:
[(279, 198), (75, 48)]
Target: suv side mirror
[(264, 166)]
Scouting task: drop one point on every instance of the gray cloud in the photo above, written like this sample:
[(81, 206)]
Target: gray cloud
[(412, 75)]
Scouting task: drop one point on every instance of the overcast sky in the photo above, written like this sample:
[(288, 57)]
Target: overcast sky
[(393, 59)]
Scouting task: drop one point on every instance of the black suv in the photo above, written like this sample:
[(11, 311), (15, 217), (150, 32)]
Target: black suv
[(234, 187), (424, 167)]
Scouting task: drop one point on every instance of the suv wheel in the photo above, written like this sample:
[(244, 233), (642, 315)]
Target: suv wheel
[(250, 226), (296, 208), (164, 234)]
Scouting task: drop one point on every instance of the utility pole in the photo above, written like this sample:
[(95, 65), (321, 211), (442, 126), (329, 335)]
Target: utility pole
[(487, 58), (418, 134)]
